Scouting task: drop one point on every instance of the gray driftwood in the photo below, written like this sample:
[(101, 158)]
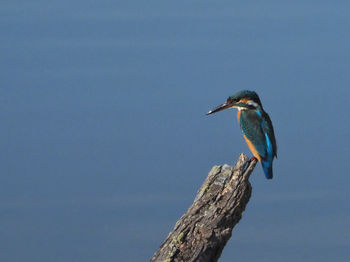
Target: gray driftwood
[(202, 232)]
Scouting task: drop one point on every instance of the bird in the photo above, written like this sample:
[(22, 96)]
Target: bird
[(256, 127)]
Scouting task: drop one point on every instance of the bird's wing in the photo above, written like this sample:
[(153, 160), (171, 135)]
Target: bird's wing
[(268, 130)]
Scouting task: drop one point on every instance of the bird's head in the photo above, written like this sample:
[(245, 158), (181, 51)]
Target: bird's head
[(242, 100)]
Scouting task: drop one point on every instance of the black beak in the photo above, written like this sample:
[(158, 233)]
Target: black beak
[(219, 108)]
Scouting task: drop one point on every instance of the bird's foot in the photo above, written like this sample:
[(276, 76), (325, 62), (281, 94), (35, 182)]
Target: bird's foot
[(253, 159)]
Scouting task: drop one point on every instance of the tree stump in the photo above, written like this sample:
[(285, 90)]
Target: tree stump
[(203, 231)]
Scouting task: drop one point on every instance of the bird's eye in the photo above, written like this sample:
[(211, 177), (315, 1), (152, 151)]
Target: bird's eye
[(231, 100)]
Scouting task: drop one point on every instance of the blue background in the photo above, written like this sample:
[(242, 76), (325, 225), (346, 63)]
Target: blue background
[(104, 138)]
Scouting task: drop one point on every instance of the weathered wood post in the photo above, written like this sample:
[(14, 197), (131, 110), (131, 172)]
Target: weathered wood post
[(203, 231)]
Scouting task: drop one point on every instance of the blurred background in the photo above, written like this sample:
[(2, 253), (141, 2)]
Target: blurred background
[(104, 138)]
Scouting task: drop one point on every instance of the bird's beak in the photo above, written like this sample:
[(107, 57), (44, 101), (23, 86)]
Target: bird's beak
[(220, 108)]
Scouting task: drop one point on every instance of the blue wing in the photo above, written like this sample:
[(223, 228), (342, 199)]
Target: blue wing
[(269, 134)]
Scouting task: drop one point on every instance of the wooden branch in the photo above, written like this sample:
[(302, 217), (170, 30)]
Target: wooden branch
[(202, 232)]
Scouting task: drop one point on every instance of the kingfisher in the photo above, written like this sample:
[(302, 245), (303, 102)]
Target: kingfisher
[(256, 127)]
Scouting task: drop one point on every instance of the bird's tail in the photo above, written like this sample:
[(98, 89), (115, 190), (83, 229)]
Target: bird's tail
[(267, 167)]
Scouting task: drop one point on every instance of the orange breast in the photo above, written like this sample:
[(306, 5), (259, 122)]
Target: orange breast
[(252, 148)]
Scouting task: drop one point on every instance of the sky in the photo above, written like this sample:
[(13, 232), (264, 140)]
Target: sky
[(104, 139)]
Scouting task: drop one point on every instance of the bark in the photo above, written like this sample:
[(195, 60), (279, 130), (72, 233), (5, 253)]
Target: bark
[(203, 231)]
